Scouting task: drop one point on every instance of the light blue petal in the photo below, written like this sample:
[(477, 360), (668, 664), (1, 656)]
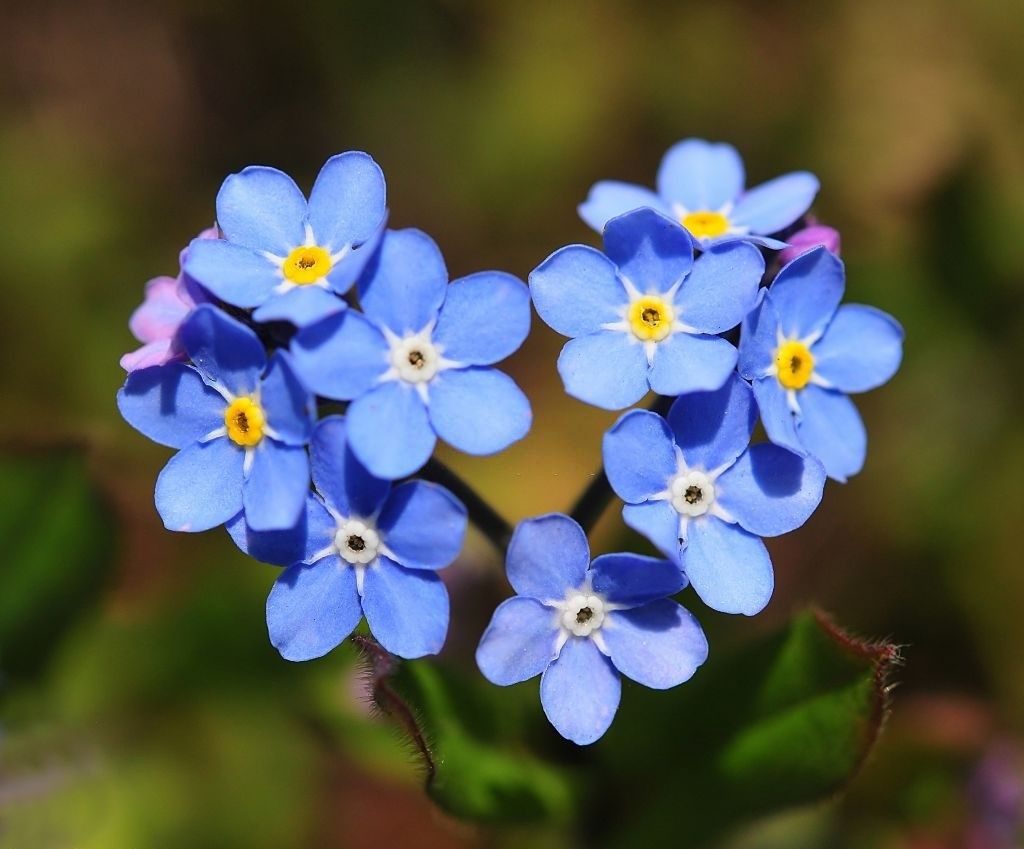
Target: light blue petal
[(288, 407), (224, 350), (423, 525), (771, 490), (831, 429), (659, 522), (639, 455), (347, 270), (262, 208), (170, 404), (691, 363), (389, 431), (313, 533), (274, 494), (301, 306), (519, 643), (312, 608), (807, 293), (340, 357), (478, 410), (713, 428), (404, 285), (748, 238), (774, 205), (607, 369), (577, 290), (339, 477), (659, 645), (758, 340), (548, 556), (700, 175), (406, 609), (633, 580), (580, 692), (201, 486), (729, 568), (610, 198), (652, 252), (235, 274), (776, 416), (347, 202), (861, 349), (722, 288), (485, 318)]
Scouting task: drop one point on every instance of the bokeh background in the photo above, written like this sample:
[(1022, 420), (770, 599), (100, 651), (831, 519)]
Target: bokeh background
[(141, 704)]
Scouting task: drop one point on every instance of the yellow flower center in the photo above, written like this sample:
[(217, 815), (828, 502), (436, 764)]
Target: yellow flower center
[(795, 364), (244, 420), (705, 224), (306, 265), (650, 318)]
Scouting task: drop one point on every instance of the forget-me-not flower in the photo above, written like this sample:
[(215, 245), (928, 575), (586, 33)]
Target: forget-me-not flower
[(416, 366), (643, 314), (579, 625), (701, 185), (242, 426), (804, 353)]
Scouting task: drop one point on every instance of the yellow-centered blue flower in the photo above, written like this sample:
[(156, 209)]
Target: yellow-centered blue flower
[(306, 265), (650, 318), (245, 421), (794, 364)]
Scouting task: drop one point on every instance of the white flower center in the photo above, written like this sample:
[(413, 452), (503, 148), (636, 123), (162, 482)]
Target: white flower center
[(415, 359), (357, 542), (582, 613), (692, 493)]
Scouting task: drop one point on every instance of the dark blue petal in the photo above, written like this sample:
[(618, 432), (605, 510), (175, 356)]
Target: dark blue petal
[(404, 285), (406, 609), (577, 291), (807, 293), (548, 556), (288, 407), (170, 404), (690, 363), (225, 351), (831, 429), (659, 645), (389, 430), (235, 274), (632, 580), (340, 357), (729, 568), (652, 252), (313, 533), (722, 288), (774, 205), (700, 175), (610, 198), (201, 486), (758, 340), (345, 484), (347, 202), (580, 692), (478, 410), (659, 522), (274, 494), (301, 306), (607, 369), (485, 318), (262, 208), (861, 349), (519, 643), (639, 455), (713, 428), (423, 525)]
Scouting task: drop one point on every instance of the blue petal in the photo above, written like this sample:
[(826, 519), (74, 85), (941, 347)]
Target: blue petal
[(406, 609), (288, 406), (313, 533), (776, 416), (759, 338), (651, 251), (235, 274), (170, 404), (274, 494), (577, 290), (478, 410), (713, 428), (548, 556), (312, 608), (339, 477), (690, 363), (262, 208), (831, 429), (347, 270), (807, 293), (610, 198), (389, 431), (580, 692), (632, 580), (340, 357), (485, 318), (659, 645), (201, 486), (861, 349), (747, 238), (347, 201), (722, 288), (659, 522), (225, 351), (771, 490), (404, 285), (700, 175), (519, 643), (639, 455), (728, 567), (423, 525), (607, 369), (774, 205), (301, 306)]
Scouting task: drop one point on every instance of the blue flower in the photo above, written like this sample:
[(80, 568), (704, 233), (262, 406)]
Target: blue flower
[(700, 185), (241, 425), (695, 489), (415, 365), (643, 314), (363, 549), (288, 258), (804, 352), (579, 627)]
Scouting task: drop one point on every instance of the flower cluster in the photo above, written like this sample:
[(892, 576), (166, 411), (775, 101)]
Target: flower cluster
[(307, 359)]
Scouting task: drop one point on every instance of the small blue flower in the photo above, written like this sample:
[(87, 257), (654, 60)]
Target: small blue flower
[(700, 185), (579, 627), (288, 258), (695, 489), (415, 365), (363, 549), (241, 425), (804, 353), (643, 314)]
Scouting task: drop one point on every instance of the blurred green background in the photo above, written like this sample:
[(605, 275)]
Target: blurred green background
[(141, 704)]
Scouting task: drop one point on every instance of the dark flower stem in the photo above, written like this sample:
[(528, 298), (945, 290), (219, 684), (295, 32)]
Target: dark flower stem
[(487, 520)]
